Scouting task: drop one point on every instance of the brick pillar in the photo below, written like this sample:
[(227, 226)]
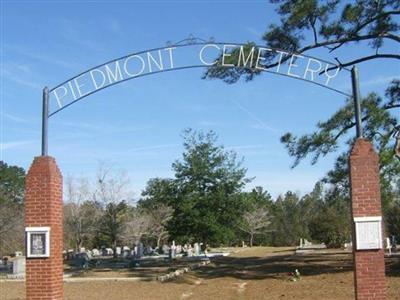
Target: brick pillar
[(43, 207), (369, 265)]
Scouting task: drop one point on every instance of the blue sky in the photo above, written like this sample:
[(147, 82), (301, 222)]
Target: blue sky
[(137, 125)]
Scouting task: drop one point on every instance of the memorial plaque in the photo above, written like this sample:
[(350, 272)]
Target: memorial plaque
[(37, 241), (368, 233)]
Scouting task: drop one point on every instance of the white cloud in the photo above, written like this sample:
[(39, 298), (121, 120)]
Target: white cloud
[(24, 82), (35, 55), (14, 118), (92, 130), (17, 144), (260, 124)]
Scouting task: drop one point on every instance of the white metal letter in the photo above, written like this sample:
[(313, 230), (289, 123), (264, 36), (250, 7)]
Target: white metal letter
[(150, 59), (171, 60), (94, 80), (58, 97), (126, 65), (249, 57), (201, 54), (327, 74), (224, 54), (291, 64), (116, 76), (308, 69)]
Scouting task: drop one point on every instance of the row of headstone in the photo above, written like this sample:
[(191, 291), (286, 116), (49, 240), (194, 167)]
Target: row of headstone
[(139, 251), (390, 244), (305, 244)]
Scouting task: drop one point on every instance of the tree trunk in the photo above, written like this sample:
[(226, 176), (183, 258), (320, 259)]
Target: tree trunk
[(159, 240), (251, 239), (78, 245), (114, 247)]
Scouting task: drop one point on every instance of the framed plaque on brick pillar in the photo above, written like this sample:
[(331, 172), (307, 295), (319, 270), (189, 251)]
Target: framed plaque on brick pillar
[(37, 242)]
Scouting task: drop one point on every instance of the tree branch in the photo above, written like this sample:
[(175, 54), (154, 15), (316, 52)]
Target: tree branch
[(352, 124), (379, 16), (362, 59)]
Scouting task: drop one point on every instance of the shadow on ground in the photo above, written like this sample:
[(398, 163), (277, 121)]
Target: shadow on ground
[(279, 265)]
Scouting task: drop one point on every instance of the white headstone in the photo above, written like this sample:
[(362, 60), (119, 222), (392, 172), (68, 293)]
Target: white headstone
[(140, 249), (389, 245), (173, 250), (19, 265), (196, 249)]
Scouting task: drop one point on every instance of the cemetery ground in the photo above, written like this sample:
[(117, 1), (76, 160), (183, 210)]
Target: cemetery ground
[(248, 273)]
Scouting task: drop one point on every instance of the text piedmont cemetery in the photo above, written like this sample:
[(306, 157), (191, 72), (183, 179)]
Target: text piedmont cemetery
[(176, 57)]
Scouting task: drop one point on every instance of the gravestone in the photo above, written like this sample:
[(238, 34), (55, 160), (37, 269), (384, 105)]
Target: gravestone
[(19, 265), (173, 250), (148, 250), (165, 249), (196, 249), (140, 250), (389, 245), (81, 260), (189, 251), (18, 268), (306, 243), (118, 251), (126, 251)]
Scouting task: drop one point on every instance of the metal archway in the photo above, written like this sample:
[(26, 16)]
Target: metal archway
[(152, 61)]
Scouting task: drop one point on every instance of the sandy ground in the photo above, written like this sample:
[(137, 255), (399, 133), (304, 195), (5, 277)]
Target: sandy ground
[(257, 273)]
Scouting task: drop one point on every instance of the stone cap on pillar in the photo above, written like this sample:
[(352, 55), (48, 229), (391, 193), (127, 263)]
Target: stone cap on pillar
[(44, 165), (362, 147)]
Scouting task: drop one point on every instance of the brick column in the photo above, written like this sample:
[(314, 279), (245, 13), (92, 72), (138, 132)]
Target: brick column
[(43, 207), (369, 265)]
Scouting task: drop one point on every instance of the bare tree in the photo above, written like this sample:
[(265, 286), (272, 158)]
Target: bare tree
[(111, 186), (138, 224), (255, 222), (112, 192), (159, 217), (80, 212)]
